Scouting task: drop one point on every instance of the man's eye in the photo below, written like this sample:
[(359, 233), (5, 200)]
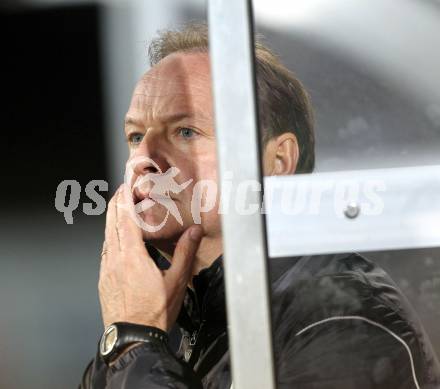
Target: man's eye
[(136, 138), (187, 132)]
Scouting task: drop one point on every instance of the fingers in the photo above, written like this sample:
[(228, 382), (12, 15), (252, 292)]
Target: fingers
[(130, 234), (184, 255), (113, 223), (104, 249), (111, 242)]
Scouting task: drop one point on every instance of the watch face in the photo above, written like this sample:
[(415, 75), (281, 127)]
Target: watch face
[(108, 339)]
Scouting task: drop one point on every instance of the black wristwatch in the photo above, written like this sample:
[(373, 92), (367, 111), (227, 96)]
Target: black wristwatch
[(118, 336)]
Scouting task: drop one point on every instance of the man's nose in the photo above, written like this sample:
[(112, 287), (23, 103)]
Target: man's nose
[(144, 165), (148, 157)]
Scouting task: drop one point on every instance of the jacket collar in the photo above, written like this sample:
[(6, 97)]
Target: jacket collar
[(205, 304)]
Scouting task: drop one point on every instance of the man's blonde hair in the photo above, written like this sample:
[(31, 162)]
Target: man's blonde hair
[(284, 104)]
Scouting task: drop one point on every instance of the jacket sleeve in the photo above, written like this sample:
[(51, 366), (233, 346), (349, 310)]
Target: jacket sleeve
[(148, 365), (347, 331)]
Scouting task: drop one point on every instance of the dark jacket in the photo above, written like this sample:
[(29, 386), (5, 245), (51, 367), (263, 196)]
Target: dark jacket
[(338, 320)]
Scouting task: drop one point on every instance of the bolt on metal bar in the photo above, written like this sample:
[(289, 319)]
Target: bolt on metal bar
[(244, 237)]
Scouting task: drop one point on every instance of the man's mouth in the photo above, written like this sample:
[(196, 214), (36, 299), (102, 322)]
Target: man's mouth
[(139, 196), (143, 200)]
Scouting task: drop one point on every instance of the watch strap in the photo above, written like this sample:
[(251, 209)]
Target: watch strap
[(128, 334)]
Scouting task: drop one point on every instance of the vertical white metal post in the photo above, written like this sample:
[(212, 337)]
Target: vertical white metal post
[(244, 238)]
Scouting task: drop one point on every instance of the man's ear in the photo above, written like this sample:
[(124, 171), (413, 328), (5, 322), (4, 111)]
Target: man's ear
[(281, 155)]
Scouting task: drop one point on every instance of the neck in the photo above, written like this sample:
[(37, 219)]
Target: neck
[(209, 250)]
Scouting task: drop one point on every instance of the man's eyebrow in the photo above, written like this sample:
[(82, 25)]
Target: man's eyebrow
[(175, 117), (133, 121), (171, 118)]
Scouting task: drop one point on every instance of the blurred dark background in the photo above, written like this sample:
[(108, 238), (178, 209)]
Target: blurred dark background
[(67, 71), (52, 130), (52, 101)]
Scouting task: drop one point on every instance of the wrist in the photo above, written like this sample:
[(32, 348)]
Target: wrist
[(118, 338), (138, 322)]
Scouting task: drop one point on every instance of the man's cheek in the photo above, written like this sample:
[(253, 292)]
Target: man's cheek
[(203, 199)]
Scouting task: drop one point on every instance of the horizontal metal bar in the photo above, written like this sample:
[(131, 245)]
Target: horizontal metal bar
[(365, 210), (244, 237)]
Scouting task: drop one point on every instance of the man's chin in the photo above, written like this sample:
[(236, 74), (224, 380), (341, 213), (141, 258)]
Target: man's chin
[(160, 230), (164, 237)]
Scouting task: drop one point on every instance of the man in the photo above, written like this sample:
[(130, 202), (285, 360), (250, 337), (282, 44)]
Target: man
[(338, 320)]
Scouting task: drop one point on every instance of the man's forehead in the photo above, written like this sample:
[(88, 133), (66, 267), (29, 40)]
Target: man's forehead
[(178, 74), (175, 108), (162, 103), (152, 86), (177, 84)]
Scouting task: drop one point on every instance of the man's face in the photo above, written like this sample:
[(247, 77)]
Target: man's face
[(170, 124)]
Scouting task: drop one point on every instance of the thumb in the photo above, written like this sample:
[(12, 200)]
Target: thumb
[(184, 255)]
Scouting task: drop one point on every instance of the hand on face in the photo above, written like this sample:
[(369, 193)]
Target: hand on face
[(131, 287)]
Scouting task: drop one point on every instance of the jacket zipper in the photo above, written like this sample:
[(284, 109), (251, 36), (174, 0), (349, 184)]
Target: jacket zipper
[(193, 351), (193, 338), (190, 355)]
